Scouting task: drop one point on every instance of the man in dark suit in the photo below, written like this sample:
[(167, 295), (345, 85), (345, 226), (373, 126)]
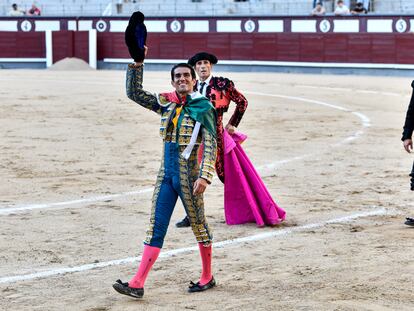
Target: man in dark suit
[(408, 142)]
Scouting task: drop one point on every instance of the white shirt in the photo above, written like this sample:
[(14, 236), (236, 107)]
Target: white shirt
[(17, 12), (207, 82), (341, 10)]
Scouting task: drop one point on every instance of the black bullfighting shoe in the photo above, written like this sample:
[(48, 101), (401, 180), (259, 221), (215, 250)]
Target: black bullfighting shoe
[(409, 221), (124, 289), (200, 288), (183, 223)]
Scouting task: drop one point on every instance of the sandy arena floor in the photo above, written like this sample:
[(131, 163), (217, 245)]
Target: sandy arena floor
[(78, 160)]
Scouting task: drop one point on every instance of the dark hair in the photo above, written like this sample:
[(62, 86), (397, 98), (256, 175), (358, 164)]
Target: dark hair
[(193, 74)]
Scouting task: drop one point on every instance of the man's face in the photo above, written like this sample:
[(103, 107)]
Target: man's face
[(183, 82), (203, 69)]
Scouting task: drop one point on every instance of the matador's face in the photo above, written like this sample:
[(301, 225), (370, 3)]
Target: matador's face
[(183, 81), (203, 69)]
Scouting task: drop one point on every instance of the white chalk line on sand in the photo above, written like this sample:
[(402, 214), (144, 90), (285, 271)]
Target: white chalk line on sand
[(171, 253), (320, 87), (7, 210), (59, 205)]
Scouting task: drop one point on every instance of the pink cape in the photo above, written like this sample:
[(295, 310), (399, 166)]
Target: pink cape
[(246, 198)]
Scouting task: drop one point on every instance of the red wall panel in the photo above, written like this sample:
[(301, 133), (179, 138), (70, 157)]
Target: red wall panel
[(171, 47), (288, 47), (111, 45), (265, 47), (359, 48), (154, 46), (311, 48), (194, 43), (70, 44), (81, 45), (22, 44), (219, 44), (242, 46), (383, 48), (336, 48), (404, 49), (63, 45)]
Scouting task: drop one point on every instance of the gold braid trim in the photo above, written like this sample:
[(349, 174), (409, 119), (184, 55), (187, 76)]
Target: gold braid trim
[(193, 204)]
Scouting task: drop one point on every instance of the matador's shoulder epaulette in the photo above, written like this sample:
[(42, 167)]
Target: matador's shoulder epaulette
[(221, 84), (163, 100), (167, 98)]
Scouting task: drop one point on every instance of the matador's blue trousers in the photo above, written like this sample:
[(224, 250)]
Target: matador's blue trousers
[(176, 179), (167, 197)]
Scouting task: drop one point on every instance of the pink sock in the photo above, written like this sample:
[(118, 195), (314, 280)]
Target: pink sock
[(149, 256), (206, 254)]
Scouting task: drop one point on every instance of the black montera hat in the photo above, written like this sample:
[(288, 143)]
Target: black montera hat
[(136, 36), (202, 55)]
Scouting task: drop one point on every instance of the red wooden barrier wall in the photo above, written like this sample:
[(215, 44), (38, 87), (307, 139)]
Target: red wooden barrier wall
[(394, 48), (22, 44), (388, 48)]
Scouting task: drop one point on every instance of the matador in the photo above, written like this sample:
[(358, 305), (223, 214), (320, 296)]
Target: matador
[(188, 119)]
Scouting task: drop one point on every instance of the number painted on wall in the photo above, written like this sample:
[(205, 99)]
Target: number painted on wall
[(175, 26), (325, 25), (250, 26), (401, 25)]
